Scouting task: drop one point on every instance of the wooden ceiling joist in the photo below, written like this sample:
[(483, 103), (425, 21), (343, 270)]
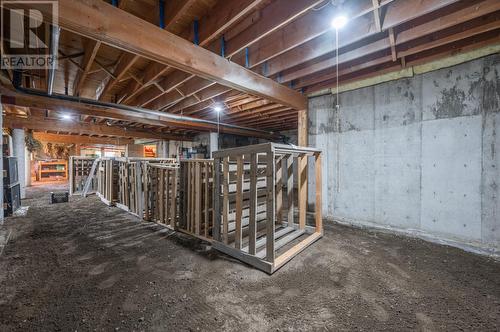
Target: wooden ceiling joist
[(124, 115), (105, 23), (80, 139), (91, 49), (42, 123), (125, 62)]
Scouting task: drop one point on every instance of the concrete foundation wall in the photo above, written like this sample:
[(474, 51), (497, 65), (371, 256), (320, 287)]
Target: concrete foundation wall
[(419, 155)]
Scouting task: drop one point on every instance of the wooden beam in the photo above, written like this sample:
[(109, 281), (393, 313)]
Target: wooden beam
[(303, 29), (322, 46), (42, 123), (271, 18), (105, 23), (226, 13), (174, 10), (91, 48), (359, 28), (81, 108), (223, 16), (392, 42), (276, 15), (79, 139), (125, 62), (376, 15)]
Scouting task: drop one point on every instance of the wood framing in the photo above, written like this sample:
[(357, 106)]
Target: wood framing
[(42, 123), (80, 139), (196, 197), (107, 178), (105, 23), (79, 171), (253, 190)]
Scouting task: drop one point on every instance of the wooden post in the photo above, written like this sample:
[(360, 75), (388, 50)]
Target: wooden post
[(318, 207), (252, 222), (216, 200), (302, 169), (289, 189), (239, 201), (270, 206), (279, 189), (225, 208)]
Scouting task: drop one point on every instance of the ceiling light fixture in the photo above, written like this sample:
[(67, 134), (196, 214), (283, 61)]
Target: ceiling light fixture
[(339, 22), (66, 117)]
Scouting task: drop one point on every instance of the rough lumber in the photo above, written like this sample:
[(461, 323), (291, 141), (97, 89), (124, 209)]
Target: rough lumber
[(122, 114), (41, 123), (101, 21), (79, 139), (91, 49)]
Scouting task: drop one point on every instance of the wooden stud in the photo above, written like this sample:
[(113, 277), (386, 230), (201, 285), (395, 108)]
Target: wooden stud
[(239, 201), (252, 223), (270, 206)]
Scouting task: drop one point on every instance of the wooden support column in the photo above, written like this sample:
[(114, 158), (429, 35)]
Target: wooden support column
[(302, 168)]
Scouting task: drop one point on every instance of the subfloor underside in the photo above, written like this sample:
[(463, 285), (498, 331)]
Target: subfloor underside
[(85, 266)]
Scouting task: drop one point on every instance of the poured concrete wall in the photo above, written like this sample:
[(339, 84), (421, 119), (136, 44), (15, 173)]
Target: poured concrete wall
[(418, 155)]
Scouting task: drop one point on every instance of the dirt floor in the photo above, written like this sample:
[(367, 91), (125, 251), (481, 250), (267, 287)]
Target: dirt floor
[(84, 266)]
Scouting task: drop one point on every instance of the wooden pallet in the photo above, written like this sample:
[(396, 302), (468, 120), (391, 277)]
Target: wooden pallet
[(252, 222)]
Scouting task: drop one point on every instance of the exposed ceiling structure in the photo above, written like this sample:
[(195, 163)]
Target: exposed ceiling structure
[(256, 58)]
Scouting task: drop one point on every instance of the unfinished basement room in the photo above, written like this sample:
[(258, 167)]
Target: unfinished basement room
[(250, 165)]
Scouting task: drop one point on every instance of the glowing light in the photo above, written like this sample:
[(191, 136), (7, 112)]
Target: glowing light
[(66, 117), (217, 108), (339, 22)]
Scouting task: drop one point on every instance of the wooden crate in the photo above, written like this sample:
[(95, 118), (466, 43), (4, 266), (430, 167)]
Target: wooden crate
[(79, 170), (252, 186), (196, 198)]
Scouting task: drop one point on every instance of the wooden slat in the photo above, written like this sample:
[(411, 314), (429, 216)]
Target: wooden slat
[(319, 194), (225, 202), (253, 205), (239, 201), (270, 207), (289, 189)]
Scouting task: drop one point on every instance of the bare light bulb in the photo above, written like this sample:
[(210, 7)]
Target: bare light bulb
[(339, 22)]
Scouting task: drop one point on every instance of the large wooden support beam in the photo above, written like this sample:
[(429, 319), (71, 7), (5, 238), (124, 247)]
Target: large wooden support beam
[(41, 123), (42, 102), (78, 139), (101, 21)]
